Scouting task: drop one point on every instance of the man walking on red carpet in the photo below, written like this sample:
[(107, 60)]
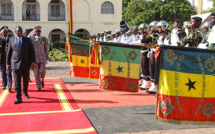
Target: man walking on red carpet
[(20, 58)]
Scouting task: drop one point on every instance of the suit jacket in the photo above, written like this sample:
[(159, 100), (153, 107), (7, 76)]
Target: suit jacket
[(20, 58), (41, 49), (3, 49)]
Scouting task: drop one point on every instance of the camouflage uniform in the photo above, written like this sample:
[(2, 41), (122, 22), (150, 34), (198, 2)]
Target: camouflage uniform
[(192, 39)]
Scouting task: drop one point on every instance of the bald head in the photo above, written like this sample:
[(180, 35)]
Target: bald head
[(19, 31)]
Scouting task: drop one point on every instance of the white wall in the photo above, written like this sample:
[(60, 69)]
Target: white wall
[(86, 15), (207, 4)]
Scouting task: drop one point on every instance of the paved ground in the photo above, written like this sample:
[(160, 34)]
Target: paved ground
[(135, 119), (59, 69)]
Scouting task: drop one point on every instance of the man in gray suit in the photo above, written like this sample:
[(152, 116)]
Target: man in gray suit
[(20, 58)]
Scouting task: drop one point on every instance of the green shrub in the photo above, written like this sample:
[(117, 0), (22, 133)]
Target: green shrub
[(59, 44), (58, 55)]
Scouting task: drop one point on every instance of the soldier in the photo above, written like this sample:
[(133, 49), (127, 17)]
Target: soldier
[(193, 37), (98, 36), (42, 56), (177, 33), (123, 36), (101, 36), (113, 37), (151, 34), (134, 36), (207, 28), (6, 76), (162, 32), (143, 30), (211, 39)]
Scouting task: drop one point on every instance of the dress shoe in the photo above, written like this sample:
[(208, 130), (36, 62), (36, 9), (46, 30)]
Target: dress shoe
[(152, 92), (26, 96), (42, 84), (4, 87), (18, 101), (39, 89), (9, 90)]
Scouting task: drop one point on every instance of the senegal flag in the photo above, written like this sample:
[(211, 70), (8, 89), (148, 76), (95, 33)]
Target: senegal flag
[(186, 92), (79, 65), (120, 67)]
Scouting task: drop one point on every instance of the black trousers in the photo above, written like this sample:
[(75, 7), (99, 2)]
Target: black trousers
[(144, 69), (24, 73), (152, 67), (3, 74)]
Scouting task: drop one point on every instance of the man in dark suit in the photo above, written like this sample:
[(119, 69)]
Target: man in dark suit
[(6, 76), (20, 58)]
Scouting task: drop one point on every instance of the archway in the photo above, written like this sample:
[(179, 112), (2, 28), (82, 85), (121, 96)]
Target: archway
[(56, 10), (82, 33), (31, 10), (57, 35), (7, 10)]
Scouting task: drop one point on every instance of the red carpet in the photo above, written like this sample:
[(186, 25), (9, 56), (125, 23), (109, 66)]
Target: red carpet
[(89, 96), (53, 110)]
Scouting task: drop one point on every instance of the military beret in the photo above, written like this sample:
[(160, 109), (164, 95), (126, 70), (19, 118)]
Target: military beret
[(178, 20), (197, 18), (213, 14)]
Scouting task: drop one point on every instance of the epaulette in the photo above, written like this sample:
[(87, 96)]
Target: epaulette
[(45, 37)]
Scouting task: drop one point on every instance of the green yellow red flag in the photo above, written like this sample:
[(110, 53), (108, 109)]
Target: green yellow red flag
[(186, 92), (79, 66), (70, 16), (120, 67)]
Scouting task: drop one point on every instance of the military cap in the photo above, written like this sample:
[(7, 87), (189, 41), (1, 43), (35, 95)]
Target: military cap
[(213, 14), (37, 28), (197, 18), (107, 31)]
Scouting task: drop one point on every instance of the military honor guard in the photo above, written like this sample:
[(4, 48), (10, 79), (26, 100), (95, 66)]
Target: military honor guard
[(193, 36), (134, 36), (207, 29), (6, 75), (211, 38), (42, 56), (177, 33)]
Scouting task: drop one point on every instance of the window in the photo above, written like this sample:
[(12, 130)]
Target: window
[(107, 8), (55, 10), (6, 9), (55, 1), (31, 1)]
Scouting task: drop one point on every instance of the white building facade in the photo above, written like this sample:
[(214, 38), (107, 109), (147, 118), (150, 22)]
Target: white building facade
[(89, 16), (201, 5)]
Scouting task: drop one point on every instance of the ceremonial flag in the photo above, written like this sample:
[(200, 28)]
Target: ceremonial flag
[(70, 16), (79, 66), (186, 92), (120, 67)]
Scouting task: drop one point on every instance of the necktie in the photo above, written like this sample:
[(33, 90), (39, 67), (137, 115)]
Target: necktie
[(20, 43)]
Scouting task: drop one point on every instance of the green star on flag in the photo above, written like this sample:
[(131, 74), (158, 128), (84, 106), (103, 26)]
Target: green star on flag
[(119, 69), (82, 61)]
